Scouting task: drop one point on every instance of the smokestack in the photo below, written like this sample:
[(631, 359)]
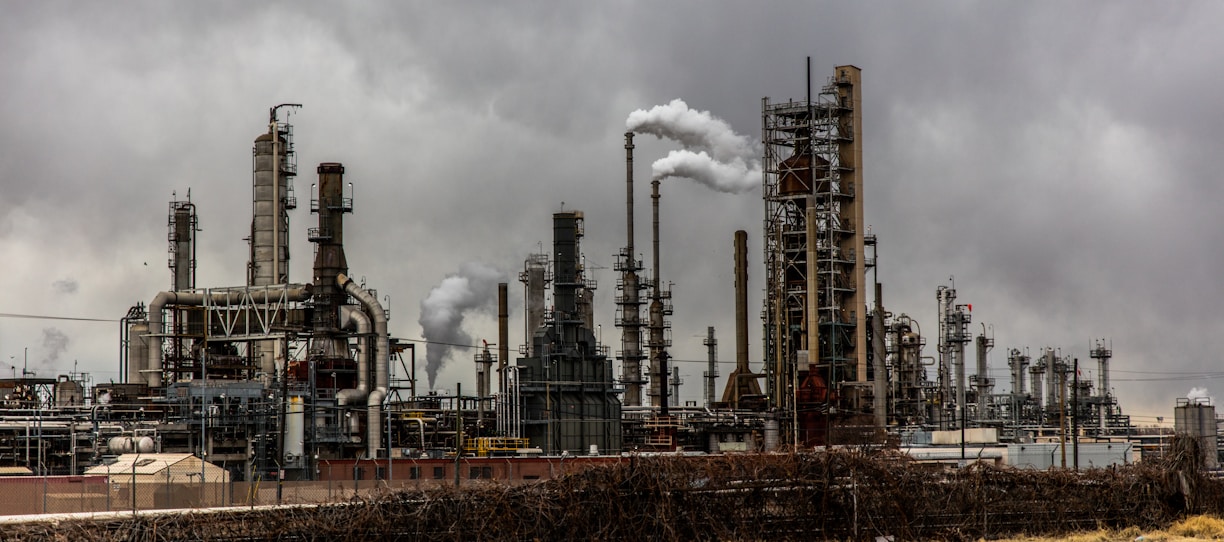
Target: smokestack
[(630, 305), (629, 194), (503, 329), (741, 382), (659, 356), (741, 302)]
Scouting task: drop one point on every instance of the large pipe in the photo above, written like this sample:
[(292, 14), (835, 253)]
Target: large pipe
[(353, 318), (382, 361), (291, 292)]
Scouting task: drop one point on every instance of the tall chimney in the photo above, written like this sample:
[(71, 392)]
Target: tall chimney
[(629, 301), (503, 332), (741, 301)]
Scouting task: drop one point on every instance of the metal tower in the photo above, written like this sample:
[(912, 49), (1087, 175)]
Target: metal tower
[(628, 298), (815, 308)]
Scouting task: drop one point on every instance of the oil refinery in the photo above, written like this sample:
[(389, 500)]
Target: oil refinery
[(304, 380)]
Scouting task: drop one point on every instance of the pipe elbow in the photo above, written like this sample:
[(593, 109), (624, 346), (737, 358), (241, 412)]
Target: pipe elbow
[(350, 397)]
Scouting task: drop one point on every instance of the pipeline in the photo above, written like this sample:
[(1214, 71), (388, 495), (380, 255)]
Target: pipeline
[(382, 361), (291, 292), (352, 318)]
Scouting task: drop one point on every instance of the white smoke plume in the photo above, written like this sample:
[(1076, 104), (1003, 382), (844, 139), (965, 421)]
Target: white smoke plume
[(733, 177), (473, 288), (1200, 393), (54, 343), (713, 155)]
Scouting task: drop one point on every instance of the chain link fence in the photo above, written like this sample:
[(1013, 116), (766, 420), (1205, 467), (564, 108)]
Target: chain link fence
[(172, 487)]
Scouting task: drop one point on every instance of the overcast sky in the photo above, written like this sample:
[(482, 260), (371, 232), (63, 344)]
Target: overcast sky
[(1055, 158)]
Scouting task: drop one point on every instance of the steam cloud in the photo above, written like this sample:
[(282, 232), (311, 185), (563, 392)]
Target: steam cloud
[(1200, 393), (65, 286), (713, 154), (473, 288), (54, 342)]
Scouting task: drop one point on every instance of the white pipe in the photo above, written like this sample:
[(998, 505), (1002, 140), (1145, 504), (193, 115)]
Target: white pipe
[(157, 330), (382, 361), (352, 318)]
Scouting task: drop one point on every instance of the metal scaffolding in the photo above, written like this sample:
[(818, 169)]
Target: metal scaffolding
[(815, 309)]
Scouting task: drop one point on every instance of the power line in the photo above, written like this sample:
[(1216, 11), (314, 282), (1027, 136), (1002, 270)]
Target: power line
[(44, 317)]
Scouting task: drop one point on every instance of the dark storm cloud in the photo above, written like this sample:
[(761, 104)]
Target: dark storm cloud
[(1057, 160)]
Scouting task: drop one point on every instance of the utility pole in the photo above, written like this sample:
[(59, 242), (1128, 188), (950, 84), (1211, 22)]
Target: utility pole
[(458, 428)]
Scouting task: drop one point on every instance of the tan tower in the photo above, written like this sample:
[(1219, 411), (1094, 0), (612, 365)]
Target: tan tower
[(815, 308)]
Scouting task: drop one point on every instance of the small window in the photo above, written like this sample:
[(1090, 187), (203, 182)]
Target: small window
[(414, 473), (380, 473), (358, 473), (439, 473), (474, 473)]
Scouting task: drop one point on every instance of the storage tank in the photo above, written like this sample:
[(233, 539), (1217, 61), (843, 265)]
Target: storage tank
[(295, 432), (1196, 417), (69, 393), (138, 351), (129, 445)]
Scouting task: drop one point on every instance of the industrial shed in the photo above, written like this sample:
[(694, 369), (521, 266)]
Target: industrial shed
[(161, 469)]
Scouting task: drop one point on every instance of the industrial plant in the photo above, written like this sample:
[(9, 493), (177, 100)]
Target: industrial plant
[(302, 379)]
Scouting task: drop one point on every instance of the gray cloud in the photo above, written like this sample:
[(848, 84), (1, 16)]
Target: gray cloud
[(65, 286)]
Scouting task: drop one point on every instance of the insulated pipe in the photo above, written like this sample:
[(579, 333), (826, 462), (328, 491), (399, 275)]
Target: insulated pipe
[(382, 361), (291, 292), (352, 318)]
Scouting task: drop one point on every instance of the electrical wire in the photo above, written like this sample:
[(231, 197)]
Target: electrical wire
[(44, 317)]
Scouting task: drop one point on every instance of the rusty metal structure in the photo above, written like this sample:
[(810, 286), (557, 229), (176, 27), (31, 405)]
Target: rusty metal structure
[(815, 330)]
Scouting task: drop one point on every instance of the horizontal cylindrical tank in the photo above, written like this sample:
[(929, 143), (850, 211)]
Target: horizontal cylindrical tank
[(129, 445)]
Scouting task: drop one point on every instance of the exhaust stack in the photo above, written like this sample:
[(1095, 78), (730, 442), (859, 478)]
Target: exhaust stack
[(742, 381), (629, 310)]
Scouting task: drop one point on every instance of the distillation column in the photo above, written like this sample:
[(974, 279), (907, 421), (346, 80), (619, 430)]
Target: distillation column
[(982, 382), (535, 278), (953, 335), (274, 165), (1102, 354), (1018, 363), (815, 307)]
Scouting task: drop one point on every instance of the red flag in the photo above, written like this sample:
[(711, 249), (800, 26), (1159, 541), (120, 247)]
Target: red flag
[(970, 307)]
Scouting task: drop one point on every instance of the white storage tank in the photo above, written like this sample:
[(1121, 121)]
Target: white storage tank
[(130, 445), (1196, 417)]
